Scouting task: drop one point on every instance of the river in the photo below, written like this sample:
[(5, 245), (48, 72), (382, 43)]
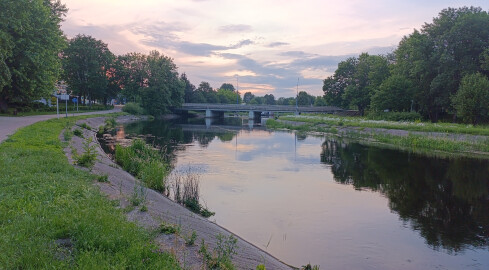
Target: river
[(331, 202)]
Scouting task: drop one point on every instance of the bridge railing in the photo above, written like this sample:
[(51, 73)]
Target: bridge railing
[(262, 108)]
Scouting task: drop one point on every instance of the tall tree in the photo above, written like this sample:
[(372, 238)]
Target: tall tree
[(472, 99), (304, 99), (248, 96), (269, 99), (165, 89), (86, 63), (369, 73), (334, 86), (227, 86), (30, 41), (441, 54), (134, 75), (189, 88)]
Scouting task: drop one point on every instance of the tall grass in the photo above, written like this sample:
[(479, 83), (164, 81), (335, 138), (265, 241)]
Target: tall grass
[(187, 193), (51, 215), (140, 160), (334, 120)]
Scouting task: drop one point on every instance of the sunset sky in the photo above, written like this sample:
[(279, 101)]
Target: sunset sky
[(266, 44)]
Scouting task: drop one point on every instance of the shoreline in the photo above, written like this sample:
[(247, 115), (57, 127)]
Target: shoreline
[(120, 187)]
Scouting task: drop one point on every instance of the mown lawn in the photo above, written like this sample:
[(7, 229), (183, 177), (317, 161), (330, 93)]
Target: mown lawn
[(52, 216)]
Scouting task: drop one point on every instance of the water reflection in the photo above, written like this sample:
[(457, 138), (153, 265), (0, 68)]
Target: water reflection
[(445, 199), (324, 200)]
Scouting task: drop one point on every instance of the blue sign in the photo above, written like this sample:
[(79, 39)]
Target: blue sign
[(75, 100)]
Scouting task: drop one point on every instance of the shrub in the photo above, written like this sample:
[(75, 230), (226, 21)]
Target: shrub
[(133, 108), (89, 156), (78, 132), (395, 116)]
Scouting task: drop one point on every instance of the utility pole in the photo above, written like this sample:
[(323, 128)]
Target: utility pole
[(237, 90), (297, 97)]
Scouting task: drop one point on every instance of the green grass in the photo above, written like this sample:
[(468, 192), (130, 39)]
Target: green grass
[(140, 160), (43, 199), (412, 142), (333, 120)]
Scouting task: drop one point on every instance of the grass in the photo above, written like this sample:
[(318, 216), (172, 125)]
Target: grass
[(412, 142), (146, 163), (52, 216), (409, 126)]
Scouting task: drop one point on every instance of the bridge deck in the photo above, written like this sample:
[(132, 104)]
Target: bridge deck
[(257, 108)]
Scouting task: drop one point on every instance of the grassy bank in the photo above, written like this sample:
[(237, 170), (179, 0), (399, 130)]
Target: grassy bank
[(52, 216), (333, 120), (411, 142)]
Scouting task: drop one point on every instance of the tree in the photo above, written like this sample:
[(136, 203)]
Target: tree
[(165, 89), (472, 99), (227, 96), (248, 96), (269, 99), (320, 101), (133, 74), (189, 88), (436, 58), (304, 99), (30, 41), (395, 94), (369, 73), (334, 86), (86, 63), (227, 86)]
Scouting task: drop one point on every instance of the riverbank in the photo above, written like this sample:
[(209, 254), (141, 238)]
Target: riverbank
[(52, 216), (157, 209), (443, 139)]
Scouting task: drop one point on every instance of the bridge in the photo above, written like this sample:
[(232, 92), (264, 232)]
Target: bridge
[(254, 111)]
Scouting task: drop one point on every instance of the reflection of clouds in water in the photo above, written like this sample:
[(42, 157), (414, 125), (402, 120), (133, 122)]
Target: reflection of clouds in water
[(194, 168), (289, 169), (233, 189)]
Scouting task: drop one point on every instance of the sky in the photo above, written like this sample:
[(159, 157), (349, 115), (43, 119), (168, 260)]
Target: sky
[(259, 46)]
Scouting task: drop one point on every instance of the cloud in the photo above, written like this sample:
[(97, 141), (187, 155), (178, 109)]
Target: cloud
[(277, 44), (295, 54), (235, 28)]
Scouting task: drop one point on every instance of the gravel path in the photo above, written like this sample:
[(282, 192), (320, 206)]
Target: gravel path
[(8, 125)]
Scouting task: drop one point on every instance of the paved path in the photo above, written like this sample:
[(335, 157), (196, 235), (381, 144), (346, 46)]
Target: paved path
[(8, 125)]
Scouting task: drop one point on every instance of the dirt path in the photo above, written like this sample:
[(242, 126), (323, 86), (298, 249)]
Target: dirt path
[(8, 125), (121, 186)]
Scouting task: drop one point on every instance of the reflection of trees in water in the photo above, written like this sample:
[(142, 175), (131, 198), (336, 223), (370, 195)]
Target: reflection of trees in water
[(446, 200), (170, 138)]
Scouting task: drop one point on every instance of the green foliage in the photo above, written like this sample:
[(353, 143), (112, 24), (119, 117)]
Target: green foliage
[(61, 203), (190, 238), (89, 156), (395, 116), (67, 134), (261, 267), (30, 42), (396, 93), (225, 249), (472, 99), (186, 192), (86, 63), (133, 108), (77, 132), (167, 228), (103, 178), (146, 163), (138, 195), (164, 88), (304, 99), (86, 126)]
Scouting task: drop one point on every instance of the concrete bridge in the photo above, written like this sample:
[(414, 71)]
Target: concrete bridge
[(254, 111)]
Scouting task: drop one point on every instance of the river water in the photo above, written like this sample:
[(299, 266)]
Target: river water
[(331, 202)]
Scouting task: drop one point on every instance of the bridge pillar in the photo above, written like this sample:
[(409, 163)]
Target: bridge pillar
[(254, 115), (213, 114)]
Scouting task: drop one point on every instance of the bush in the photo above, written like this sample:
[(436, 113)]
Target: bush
[(133, 108), (89, 156), (394, 116)]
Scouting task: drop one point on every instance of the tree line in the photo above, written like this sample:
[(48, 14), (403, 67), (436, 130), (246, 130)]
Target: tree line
[(440, 71)]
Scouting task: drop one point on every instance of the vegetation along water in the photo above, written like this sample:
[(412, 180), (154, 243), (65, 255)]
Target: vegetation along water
[(333, 201)]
